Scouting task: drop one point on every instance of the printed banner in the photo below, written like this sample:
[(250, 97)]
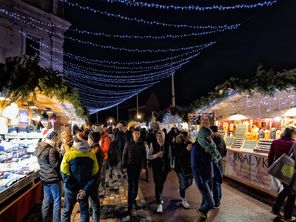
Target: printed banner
[(252, 168)]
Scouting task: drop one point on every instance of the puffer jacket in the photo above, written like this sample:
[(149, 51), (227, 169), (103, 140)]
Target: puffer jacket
[(79, 170), (133, 154), (49, 161)]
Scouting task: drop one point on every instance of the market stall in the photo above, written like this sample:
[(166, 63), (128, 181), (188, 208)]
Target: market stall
[(33, 101), (249, 124), (23, 125)]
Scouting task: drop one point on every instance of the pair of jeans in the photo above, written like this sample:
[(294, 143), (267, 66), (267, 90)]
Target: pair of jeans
[(288, 209), (95, 204), (133, 173), (69, 202), (103, 173), (159, 177), (217, 180), (207, 199), (184, 183), (51, 194)]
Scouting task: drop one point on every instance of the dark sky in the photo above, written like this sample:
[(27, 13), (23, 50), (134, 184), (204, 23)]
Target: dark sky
[(266, 36)]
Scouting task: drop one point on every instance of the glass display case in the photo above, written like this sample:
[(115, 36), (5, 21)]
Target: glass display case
[(18, 163)]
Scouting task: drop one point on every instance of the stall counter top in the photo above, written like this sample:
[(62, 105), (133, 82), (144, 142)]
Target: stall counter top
[(244, 150)]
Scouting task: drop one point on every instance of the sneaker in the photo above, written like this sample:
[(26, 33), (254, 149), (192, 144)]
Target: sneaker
[(126, 219), (159, 208), (217, 206), (162, 202), (202, 216), (185, 204), (289, 219)]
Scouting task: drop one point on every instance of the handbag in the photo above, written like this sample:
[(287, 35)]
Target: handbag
[(283, 169)]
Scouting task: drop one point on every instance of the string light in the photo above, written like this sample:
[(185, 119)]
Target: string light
[(143, 21), (154, 37), (32, 22), (99, 73), (192, 7), (121, 49)]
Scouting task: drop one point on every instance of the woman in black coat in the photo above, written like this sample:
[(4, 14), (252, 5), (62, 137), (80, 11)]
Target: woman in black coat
[(159, 156)]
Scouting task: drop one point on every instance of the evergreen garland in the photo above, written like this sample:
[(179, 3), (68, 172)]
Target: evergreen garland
[(266, 82), (21, 76)]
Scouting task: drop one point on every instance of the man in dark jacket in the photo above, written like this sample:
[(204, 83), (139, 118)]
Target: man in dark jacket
[(49, 161), (79, 169), (218, 175), (203, 154), (133, 156)]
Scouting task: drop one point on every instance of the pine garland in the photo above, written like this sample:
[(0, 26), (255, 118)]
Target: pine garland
[(266, 82), (21, 76)]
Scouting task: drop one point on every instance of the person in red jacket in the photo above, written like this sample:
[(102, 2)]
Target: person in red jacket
[(279, 147), (105, 146)]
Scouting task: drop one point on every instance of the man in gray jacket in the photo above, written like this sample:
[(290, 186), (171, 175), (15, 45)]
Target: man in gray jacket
[(49, 162)]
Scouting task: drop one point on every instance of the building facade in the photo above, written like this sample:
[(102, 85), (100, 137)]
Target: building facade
[(33, 27)]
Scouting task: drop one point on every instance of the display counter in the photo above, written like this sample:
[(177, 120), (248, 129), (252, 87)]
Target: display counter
[(20, 186), (250, 167)]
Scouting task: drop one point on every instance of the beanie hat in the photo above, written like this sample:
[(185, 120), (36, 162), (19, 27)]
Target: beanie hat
[(94, 138), (51, 135), (80, 142), (204, 132)]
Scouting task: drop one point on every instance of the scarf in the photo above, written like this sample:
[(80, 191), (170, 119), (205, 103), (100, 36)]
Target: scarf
[(210, 148)]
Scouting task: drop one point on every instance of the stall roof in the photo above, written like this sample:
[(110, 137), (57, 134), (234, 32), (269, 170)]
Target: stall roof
[(255, 106)]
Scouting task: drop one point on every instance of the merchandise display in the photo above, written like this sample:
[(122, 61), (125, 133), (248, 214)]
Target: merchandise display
[(18, 163)]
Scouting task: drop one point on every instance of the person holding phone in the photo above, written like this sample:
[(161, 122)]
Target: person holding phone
[(159, 156)]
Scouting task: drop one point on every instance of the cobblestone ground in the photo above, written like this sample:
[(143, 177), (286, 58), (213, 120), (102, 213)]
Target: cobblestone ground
[(113, 204)]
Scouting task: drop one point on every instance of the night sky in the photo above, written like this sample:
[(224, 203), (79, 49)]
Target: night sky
[(266, 36)]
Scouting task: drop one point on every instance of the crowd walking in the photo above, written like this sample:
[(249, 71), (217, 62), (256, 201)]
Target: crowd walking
[(78, 168)]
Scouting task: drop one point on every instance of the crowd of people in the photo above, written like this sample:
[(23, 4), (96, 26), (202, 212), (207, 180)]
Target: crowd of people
[(74, 165)]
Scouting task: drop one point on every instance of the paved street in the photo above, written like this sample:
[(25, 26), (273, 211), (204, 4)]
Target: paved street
[(237, 206)]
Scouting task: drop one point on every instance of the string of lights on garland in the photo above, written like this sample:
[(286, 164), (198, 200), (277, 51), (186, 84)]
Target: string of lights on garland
[(34, 23), (192, 7), (142, 21)]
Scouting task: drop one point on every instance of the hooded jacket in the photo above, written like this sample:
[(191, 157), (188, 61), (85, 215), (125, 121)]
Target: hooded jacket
[(49, 161), (79, 169)]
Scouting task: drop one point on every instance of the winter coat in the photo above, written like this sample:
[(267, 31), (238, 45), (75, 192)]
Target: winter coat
[(105, 144), (160, 164), (201, 163), (220, 143), (121, 139), (79, 170), (279, 147), (113, 154), (133, 154), (182, 157), (49, 161)]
